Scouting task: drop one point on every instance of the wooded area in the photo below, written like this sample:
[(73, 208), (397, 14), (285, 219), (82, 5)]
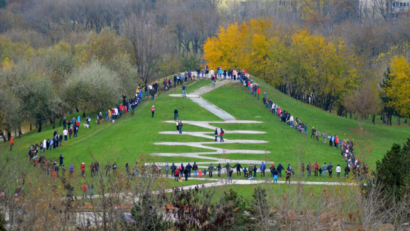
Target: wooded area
[(60, 56)]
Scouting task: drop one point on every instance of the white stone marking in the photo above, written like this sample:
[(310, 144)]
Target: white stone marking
[(187, 95), (228, 119), (213, 109), (206, 124)]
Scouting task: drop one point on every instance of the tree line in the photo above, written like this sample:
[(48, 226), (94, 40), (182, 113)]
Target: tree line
[(325, 72)]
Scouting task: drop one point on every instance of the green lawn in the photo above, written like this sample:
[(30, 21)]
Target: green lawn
[(132, 138), (290, 146)]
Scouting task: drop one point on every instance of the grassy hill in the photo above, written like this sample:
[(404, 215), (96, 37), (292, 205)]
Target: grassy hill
[(133, 137)]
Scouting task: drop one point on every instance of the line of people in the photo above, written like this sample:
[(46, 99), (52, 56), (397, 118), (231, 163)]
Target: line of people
[(353, 164)]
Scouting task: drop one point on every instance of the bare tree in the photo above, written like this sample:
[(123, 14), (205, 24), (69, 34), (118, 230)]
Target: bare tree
[(363, 102), (149, 43)]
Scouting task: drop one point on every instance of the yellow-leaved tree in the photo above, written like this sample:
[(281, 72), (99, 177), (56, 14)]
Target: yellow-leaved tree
[(399, 85), (296, 62)]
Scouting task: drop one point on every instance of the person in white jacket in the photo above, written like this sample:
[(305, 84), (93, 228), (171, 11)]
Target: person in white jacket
[(65, 133), (338, 170)]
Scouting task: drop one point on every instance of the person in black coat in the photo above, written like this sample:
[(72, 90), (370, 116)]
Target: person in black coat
[(238, 169), (280, 169), (64, 123), (175, 114)]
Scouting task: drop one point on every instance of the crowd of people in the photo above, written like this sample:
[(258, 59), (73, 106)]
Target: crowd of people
[(353, 164), (71, 130)]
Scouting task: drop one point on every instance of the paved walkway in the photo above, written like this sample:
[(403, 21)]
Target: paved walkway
[(196, 97)]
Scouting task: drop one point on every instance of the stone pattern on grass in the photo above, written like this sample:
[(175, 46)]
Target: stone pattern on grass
[(209, 134)]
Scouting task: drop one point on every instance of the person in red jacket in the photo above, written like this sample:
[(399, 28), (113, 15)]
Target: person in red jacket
[(336, 141), (84, 191), (125, 109), (82, 169), (316, 168), (11, 141), (258, 91), (153, 110), (121, 108), (176, 174)]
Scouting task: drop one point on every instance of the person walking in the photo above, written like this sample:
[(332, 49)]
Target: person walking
[(91, 189), (324, 135), (238, 169), (330, 169), (175, 114), (338, 170), (92, 169), (189, 167), (70, 132), (210, 169), (216, 135), (280, 168), (64, 123), (308, 166), (272, 169), (222, 135), (83, 169), (183, 90), (313, 133), (176, 174), (263, 167), (230, 175), (275, 175), (180, 124), (11, 142), (65, 133), (195, 169), (219, 168), (71, 169), (166, 170), (258, 91), (153, 110), (288, 174), (186, 173), (84, 191)]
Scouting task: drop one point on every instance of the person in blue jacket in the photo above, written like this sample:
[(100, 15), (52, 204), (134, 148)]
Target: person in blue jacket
[(263, 167)]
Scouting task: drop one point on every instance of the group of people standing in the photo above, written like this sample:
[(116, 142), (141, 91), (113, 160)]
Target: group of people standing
[(346, 146)]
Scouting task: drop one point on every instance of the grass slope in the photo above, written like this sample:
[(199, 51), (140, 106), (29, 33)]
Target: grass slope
[(133, 137), (288, 145)]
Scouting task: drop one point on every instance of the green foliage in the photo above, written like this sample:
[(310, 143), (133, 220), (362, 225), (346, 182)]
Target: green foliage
[(230, 213), (190, 63), (147, 216), (392, 172), (93, 86)]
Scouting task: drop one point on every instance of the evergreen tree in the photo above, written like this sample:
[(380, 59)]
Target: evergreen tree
[(387, 110), (260, 210), (392, 172), (229, 213)]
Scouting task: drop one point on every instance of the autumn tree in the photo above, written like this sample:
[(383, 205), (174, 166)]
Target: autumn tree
[(296, 62), (399, 85), (363, 102)]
